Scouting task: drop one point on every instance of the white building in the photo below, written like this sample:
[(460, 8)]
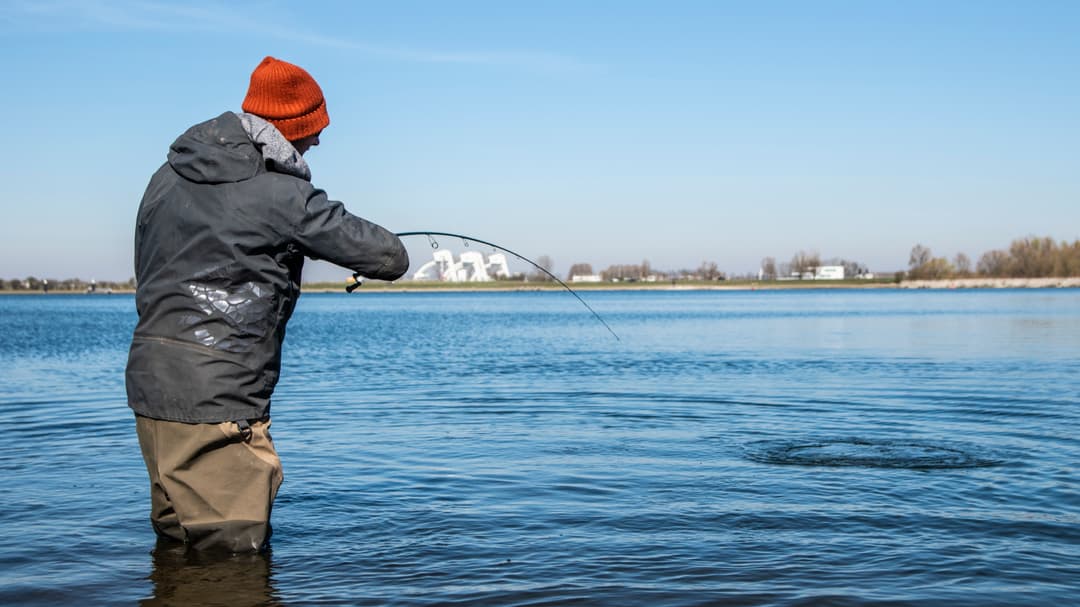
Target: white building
[(829, 273), (470, 267)]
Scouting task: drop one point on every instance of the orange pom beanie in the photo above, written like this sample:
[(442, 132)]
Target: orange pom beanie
[(287, 97)]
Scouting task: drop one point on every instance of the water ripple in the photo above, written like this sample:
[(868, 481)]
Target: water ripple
[(500, 449), (870, 452)]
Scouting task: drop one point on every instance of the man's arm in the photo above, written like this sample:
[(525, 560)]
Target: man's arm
[(327, 231)]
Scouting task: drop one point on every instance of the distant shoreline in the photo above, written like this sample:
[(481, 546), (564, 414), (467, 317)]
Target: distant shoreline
[(992, 283), (769, 285)]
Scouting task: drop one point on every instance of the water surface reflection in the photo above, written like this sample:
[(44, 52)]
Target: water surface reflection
[(187, 578)]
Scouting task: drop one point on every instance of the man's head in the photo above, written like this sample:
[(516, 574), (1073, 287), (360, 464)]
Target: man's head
[(289, 98)]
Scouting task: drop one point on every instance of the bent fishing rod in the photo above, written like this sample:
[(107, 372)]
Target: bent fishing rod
[(358, 279)]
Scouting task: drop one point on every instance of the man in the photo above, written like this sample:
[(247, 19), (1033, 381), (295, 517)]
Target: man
[(220, 242)]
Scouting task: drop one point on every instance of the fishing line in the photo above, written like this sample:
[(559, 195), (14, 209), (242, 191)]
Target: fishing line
[(466, 240)]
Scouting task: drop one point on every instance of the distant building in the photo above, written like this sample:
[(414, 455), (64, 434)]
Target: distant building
[(828, 273), (586, 278), (815, 273)]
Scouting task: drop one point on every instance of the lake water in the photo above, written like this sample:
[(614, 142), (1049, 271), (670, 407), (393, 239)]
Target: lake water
[(833, 447)]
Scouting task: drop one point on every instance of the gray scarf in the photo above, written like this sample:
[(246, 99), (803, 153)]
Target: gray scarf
[(279, 154)]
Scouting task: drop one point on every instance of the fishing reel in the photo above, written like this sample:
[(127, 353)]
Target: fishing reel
[(357, 282)]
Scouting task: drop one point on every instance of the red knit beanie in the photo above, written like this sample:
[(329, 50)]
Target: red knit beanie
[(287, 97)]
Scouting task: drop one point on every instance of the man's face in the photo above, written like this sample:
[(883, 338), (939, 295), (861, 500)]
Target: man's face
[(305, 144)]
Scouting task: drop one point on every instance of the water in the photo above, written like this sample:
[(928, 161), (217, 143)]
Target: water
[(744, 448)]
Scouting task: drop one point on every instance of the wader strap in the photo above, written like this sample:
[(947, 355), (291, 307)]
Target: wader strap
[(245, 429)]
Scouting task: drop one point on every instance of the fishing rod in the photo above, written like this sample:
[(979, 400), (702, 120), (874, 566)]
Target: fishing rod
[(357, 279)]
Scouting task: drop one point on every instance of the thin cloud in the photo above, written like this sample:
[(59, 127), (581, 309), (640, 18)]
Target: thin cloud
[(133, 16), (64, 15)]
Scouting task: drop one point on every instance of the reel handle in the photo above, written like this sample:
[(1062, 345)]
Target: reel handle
[(358, 281)]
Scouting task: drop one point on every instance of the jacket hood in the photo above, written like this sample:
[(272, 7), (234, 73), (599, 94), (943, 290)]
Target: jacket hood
[(216, 151), (279, 153)]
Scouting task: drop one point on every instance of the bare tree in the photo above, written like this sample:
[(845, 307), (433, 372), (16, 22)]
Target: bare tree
[(924, 265), (710, 271), (545, 262), (768, 268), (854, 269), (621, 272), (993, 263), (1068, 260), (962, 264), (630, 272), (937, 268), (579, 269), (805, 263), (1032, 257), (920, 256)]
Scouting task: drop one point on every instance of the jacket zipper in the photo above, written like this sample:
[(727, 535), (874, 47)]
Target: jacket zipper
[(183, 344)]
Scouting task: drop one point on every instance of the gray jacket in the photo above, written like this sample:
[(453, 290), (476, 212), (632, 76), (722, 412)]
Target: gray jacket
[(220, 242)]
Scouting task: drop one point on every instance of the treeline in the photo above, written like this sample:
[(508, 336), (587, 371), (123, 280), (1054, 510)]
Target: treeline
[(634, 272), (32, 283), (805, 264), (1029, 257)]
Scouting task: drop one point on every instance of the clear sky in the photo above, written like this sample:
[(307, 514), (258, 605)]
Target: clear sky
[(601, 132)]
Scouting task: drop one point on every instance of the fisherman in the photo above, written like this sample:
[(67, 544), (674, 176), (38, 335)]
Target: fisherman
[(220, 241)]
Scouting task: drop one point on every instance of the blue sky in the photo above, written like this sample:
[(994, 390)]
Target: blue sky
[(599, 132)]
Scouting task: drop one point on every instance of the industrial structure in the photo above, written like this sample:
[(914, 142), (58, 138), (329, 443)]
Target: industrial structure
[(470, 267)]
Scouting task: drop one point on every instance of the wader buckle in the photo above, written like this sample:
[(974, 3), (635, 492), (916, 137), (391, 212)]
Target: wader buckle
[(245, 429)]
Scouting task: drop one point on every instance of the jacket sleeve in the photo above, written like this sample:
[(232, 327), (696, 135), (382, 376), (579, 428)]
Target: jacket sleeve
[(327, 231)]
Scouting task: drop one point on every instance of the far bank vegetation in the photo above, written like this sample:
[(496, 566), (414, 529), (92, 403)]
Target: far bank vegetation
[(1030, 257), (67, 285), (644, 272)]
